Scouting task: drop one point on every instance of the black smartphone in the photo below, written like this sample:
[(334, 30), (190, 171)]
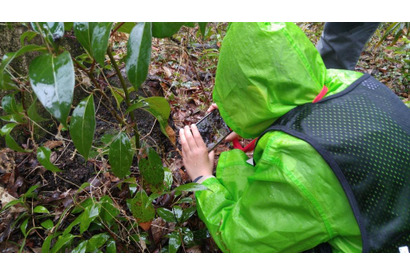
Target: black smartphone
[(213, 129)]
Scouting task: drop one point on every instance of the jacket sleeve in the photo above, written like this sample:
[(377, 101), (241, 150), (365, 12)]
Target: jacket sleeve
[(270, 207)]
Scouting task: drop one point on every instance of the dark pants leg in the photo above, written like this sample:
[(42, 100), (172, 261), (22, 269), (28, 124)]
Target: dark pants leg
[(342, 43)]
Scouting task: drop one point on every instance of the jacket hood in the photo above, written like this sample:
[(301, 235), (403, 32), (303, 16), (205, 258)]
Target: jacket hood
[(264, 71)]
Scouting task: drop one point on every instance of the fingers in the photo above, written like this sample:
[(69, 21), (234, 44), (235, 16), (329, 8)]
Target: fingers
[(212, 107), (197, 136), (183, 141), (189, 138), (211, 156), (232, 136)]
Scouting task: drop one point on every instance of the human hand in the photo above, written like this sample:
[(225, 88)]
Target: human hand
[(195, 155)]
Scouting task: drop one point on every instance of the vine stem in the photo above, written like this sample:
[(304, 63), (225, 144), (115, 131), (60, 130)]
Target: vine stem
[(127, 96)]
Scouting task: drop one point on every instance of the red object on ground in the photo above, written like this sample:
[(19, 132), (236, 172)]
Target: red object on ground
[(251, 145)]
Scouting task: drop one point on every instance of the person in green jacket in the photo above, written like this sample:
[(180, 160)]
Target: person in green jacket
[(289, 199)]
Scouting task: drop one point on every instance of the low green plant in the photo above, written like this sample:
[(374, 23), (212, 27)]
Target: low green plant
[(98, 223)]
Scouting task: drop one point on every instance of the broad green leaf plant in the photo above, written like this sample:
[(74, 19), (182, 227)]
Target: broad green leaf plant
[(53, 75)]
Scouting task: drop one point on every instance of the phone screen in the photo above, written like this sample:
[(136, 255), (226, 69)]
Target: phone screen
[(213, 129)]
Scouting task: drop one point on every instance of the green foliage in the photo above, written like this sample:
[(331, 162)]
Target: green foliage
[(397, 30), (121, 155), (43, 156), (138, 54), (52, 79), (93, 36), (82, 126), (94, 222)]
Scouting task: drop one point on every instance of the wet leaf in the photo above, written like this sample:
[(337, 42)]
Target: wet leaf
[(33, 113), (52, 79), (166, 215), (152, 171), (52, 31), (125, 27), (178, 212), (187, 236), (10, 142), (40, 209), (121, 155), (9, 105), (82, 126), (47, 224), (138, 54), (174, 242), (43, 156), (29, 35), (96, 242), (111, 247), (81, 248), (141, 207), (167, 29), (88, 216), (94, 36), (61, 242), (23, 227), (187, 213), (160, 109), (108, 210), (202, 27), (9, 57)]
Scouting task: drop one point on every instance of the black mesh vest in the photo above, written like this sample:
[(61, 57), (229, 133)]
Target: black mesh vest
[(363, 133)]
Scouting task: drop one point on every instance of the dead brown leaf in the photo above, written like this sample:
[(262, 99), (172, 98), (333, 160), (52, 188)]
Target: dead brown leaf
[(51, 144), (171, 134), (145, 225)]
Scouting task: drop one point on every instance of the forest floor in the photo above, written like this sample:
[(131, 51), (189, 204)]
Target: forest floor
[(183, 71)]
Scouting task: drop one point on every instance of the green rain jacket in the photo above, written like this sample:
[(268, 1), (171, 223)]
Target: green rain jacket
[(290, 201)]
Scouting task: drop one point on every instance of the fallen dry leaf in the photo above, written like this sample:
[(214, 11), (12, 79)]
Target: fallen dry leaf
[(145, 225), (171, 134)]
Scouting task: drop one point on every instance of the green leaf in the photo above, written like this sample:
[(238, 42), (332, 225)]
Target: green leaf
[(191, 187), (88, 216), (52, 31), (120, 155), (45, 248), (96, 242), (6, 129), (52, 79), (118, 95), (141, 207), (167, 29), (9, 104), (29, 35), (40, 209), (68, 26), (61, 242), (111, 247), (168, 179), (80, 208), (156, 106), (174, 242), (138, 54), (160, 109), (202, 27), (187, 213), (30, 192), (108, 210), (48, 224), (82, 126), (15, 118), (178, 212), (43, 156), (81, 248), (23, 227), (166, 215), (94, 36), (10, 204), (33, 113), (152, 171), (126, 27), (6, 83), (9, 57), (187, 236), (10, 142)]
